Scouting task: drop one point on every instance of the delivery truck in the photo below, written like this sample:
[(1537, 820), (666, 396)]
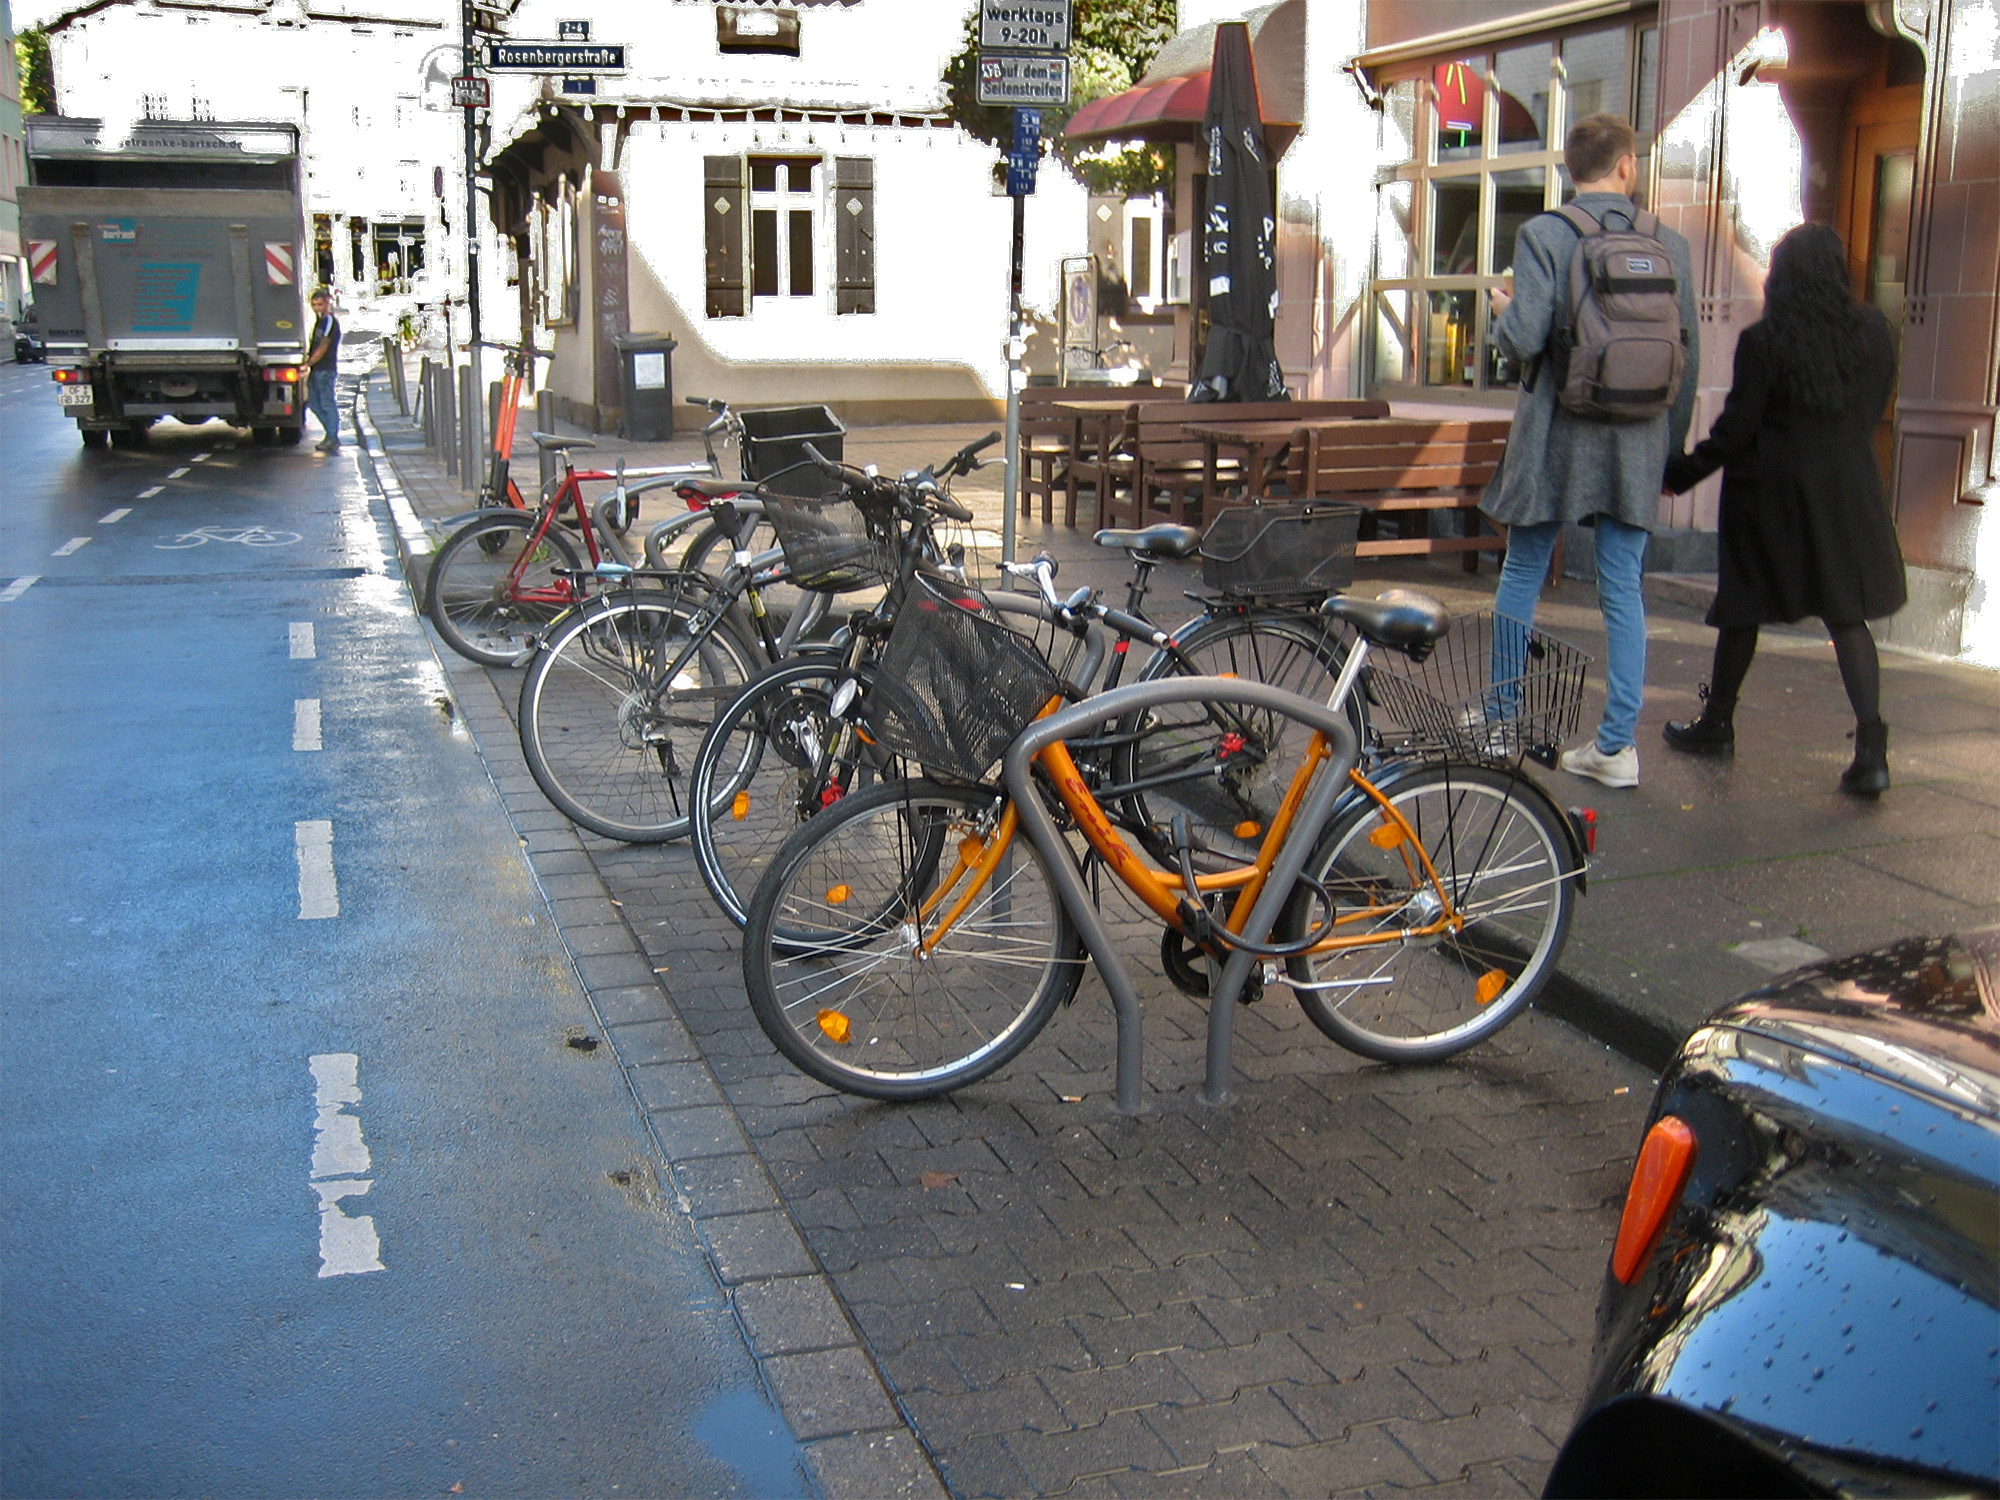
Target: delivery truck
[(167, 260)]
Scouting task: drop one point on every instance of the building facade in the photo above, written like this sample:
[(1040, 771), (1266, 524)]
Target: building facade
[(13, 172)]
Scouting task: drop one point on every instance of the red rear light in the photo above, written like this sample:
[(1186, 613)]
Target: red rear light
[(68, 377), (1665, 1159), (283, 372)]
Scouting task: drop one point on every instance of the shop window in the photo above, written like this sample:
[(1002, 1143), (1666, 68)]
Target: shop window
[(357, 248), (322, 249), (399, 255), (1473, 146)]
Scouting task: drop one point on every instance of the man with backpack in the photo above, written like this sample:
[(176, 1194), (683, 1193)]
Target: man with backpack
[(1602, 321)]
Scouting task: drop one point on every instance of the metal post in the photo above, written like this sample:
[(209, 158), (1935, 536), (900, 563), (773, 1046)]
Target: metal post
[(468, 429), (448, 431), (545, 421), (1009, 525), (426, 403), (399, 380)]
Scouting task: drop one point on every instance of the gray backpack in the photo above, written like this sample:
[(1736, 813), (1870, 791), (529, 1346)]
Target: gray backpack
[(1620, 354)]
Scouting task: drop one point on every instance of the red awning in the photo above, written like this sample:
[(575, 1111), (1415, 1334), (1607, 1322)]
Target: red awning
[(1169, 111)]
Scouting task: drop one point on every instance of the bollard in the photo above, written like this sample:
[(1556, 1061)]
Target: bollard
[(468, 429), (392, 356), (424, 403), (448, 429), (545, 421)]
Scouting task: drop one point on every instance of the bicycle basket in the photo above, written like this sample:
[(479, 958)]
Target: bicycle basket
[(828, 544), (1493, 688), (955, 686), (1281, 551)]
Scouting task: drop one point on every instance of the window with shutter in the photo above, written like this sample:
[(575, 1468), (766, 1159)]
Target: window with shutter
[(722, 221), (854, 234)]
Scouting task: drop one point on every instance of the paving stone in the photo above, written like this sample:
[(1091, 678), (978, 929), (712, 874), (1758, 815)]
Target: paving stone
[(1195, 1433), (729, 1184), (829, 1392), (1446, 1447), (1087, 1397), (1120, 1443), (792, 1315), (1333, 1409), (1365, 1459), (1220, 1373), (982, 1469), (1017, 1404), (641, 1044), (613, 971), (687, 1134), (873, 1466), (752, 1246)]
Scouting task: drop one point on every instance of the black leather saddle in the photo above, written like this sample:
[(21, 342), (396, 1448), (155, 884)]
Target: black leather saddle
[(1401, 618), (1164, 540)]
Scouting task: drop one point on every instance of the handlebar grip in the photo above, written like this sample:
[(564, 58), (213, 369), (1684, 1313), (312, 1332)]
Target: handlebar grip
[(981, 446), (825, 465), (696, 400), (952, 509)]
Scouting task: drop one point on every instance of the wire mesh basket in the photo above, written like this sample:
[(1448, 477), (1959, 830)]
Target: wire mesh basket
[(829, 544), (955, 686), (1281, 551), (1492, 688)]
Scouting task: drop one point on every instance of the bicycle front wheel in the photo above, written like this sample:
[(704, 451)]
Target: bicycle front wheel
[(773, 758), (1430, 987), (614, 707), (480, 607), (871, 970)]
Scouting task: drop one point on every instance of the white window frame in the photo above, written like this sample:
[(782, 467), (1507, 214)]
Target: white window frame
[(784, 202)]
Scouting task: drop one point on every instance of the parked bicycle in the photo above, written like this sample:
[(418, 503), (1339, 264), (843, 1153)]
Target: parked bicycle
[(908, 940)]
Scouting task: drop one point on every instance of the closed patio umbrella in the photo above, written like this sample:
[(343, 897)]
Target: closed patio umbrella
[(1239, 263)]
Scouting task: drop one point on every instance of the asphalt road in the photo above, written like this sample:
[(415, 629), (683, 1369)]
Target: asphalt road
[(305, 1186)]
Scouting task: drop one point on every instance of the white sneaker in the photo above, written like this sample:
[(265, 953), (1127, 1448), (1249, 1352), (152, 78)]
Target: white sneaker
[(1620, 769)]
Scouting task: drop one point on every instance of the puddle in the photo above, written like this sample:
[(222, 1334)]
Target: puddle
[(741, 1429)]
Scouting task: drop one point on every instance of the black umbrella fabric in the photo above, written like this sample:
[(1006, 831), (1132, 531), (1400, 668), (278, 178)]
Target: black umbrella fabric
[(1239, 239)]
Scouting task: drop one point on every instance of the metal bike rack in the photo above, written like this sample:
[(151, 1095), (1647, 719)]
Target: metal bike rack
[(1060, 859)]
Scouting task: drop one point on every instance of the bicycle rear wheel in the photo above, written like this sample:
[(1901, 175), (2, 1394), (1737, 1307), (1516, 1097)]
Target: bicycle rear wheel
[(838, 954), (476, 602), (709, 552), (615, 705), (1506, 862), (771, 761)]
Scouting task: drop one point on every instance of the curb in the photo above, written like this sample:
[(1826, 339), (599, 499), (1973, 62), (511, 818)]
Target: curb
[(812, 1359)]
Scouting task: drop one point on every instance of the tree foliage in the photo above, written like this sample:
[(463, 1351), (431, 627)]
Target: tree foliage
[(1112, 42), (37, 71)]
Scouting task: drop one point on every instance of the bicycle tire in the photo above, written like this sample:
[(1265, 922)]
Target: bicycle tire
[(1418, 1001), (762, 771), (466, 594), (910, 1027), (612, 752), (1284, 649)]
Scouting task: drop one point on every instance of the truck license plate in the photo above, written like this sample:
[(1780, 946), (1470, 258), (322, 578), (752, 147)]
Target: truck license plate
[(75, 395)]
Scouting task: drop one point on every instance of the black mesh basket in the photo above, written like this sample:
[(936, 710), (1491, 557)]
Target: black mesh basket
[(955, 686), (828, 543), (1296, 551), (1493, 688)]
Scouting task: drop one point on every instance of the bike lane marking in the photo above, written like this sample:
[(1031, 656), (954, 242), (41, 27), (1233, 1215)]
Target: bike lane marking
[(348, 1245), (304, 647), (19, 587), (74, 544), (319, 892), (305, 724), (115, 516)]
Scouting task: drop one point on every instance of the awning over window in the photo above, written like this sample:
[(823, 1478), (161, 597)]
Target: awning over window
[(562, 143)]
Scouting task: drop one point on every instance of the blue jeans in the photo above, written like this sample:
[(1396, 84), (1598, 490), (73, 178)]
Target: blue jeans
[(1621, 557), (322, 403)]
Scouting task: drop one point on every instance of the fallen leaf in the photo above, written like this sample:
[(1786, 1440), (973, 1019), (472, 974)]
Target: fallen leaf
[(457, 1489), (938, 1179)]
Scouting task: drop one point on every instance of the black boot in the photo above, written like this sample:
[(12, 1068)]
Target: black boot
[(1869, 775), (1714, 733)]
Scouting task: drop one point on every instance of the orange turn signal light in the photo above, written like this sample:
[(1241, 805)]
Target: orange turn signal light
[(1665, 1159), (69, 377)]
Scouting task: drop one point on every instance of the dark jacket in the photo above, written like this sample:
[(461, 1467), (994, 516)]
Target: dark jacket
[(1805, 525), (1560, 467)]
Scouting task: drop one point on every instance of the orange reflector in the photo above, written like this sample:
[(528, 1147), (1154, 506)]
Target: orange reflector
[(1658, 1176), (739, 806), (1388, 836), (839, 894), (834, 1024), (1226, 674), (1248, 830), (970, 849), (1491, 983)]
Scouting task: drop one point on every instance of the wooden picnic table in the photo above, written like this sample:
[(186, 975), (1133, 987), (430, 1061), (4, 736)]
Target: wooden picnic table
[(1255, 438), (1103, 420)]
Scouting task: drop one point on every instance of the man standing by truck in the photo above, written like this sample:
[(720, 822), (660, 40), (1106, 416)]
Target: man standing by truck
[(323, 360)]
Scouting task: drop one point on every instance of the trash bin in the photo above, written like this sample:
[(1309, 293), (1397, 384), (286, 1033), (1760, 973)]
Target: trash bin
[(774, 447), (646, 386)]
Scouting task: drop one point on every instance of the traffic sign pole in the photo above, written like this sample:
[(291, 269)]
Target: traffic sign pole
[(471, 56), (1020, 182)]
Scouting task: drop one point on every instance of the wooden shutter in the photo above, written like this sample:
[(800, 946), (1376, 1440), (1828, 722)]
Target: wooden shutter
[(854, 234), (722, 218)]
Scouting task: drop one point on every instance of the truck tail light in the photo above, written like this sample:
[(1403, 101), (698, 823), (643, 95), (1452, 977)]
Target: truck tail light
[(69, 377), (1665, 1159), (288, 373)]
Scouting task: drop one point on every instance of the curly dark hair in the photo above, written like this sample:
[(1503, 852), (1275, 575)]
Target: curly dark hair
[(1818, 331)]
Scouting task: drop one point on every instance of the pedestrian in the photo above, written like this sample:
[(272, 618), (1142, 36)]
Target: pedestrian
[(1805, 527), (323, 365), (1597, 463)]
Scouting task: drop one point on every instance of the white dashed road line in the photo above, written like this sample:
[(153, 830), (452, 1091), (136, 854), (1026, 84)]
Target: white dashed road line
[(74, 544), (115, 516), (305, 724), (148, 494), (348, 1246), (319, 893), (18, 587), (304, 648), (200, 458), (179, 473)]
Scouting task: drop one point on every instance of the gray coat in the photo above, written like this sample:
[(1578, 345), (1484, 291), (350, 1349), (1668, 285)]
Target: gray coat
[(1561, 467)]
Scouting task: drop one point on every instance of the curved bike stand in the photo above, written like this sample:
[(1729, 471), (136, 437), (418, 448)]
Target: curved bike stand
[(1326, 790)]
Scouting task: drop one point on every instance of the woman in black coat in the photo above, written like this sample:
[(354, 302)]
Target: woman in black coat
[(1805, 525)]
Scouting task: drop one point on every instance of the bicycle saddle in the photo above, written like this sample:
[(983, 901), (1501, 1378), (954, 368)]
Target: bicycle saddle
[(556, 444), (1164, 540), (713, 489), (1401, 618)]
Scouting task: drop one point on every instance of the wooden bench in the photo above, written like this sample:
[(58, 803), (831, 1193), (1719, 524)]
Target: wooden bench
[(1408, 469), (1158, 465), (1050, 438)]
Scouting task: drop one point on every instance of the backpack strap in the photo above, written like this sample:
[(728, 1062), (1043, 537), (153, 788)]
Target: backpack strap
[(1562, 330)]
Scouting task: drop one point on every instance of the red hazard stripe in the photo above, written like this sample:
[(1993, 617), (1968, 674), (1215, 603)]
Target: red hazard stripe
[(42, 262), (278, 263)]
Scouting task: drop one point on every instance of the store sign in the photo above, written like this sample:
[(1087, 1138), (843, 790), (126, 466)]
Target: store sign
[(1461, 95)]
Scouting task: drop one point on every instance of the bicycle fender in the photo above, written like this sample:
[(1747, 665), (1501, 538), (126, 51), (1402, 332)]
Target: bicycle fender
[(1386, 777)]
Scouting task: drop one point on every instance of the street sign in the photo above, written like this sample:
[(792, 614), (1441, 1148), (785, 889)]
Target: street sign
[(1020, 176), (1019, 78), (579, 86), (567, 58), (1024, 25), (573, 31), (471, 92)]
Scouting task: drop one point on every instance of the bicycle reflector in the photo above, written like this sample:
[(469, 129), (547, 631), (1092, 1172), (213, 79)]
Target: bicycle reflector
[(834, 1024), (1665, 1159)]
